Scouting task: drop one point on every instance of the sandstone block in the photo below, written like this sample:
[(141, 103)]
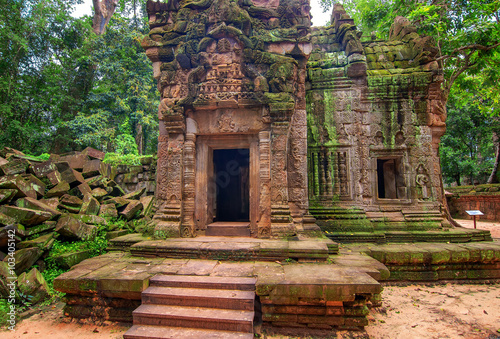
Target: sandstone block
[(37, 205), (93, 153), (43, 242), (92, 168), (34, 285), (6, 276), (42, 169), (147, 205), (71, 227), (25, 258), (90, 205), (58, 190), (17, 183), (35, 184), (16, 166), (81, 190), (67, 260), (75, 161), (132, 209), (7, 194), (99, 193), (90, 219), (54, 177), (6, 220), (135, 195), (25, 216), (70, 203), (108, 210)]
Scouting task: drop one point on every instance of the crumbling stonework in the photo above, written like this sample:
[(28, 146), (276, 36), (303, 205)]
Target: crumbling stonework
[(350, 127)]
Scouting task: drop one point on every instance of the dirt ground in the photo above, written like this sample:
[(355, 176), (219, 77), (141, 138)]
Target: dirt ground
[(493, 227), (411, 312)]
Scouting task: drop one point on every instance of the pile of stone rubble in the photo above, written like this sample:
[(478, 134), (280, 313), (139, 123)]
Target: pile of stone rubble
[(69, 197)]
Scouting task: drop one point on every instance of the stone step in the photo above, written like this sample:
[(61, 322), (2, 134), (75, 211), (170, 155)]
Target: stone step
[(194, 317), (197, 297), (189, 281), (159, 332), (228, 229)]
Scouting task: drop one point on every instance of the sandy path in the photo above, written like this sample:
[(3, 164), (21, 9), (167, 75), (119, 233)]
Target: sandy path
[(493, 227), (412, 312)]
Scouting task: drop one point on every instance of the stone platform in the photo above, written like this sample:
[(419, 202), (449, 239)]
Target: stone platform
[(335, 293), (304, 295), (228, 248)]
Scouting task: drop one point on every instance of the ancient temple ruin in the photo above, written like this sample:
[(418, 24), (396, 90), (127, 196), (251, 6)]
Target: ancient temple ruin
[(268, 121)]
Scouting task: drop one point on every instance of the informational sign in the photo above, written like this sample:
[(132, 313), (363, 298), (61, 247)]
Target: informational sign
[(474, 212)]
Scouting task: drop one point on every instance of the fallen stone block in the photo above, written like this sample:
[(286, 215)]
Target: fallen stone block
[(37, 205), (6, 220), (68, 260), (99, 193), (80, 190), (25, 216), (6, 152), (70, 203), (117, 201), (17, 183), (94, 153), (35, 184), (70, 227), (134, 195), (132, 210), (6, 195), (114, 189), (92, 168), (54, 177), (90, 205), (39, 229), (52, 202), (3, 161), (147, 203), (41, 170), (108, 210), (58, 190), (16, 166), (115, 234), (97, 181), (34, 285), (75, 161), (6, 234), (90, 219), (6, 276), (44, 242), (25, 258)]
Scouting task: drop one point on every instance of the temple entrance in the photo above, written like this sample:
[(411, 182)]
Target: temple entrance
[(231, 175)]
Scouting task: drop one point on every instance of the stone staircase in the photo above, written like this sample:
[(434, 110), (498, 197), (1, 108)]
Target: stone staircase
[(228, 229), (181, 307)]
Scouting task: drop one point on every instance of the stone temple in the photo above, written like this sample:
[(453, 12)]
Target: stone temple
[(285, 128)]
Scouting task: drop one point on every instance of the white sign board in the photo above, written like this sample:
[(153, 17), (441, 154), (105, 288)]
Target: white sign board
[(474, 212)]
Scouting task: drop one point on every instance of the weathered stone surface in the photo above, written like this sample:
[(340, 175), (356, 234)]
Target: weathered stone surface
[(92, 168), (70, 203), (90, 205), (42, 228), (135, 195), (81, 190), (58, 190), (118, 201), (31, 203), (108, 210), (68, 260), (25, 258), (44, 242), (148, 204), (23, 188), (25, 216), (6, 195), (34, 285), (93, 153), (6, 220), (54, 177), (75, 161), (71, 227), (7, 276), (90, 219), (132, 209), (42, 169), (16, 166), (35, 184), (99, 193)]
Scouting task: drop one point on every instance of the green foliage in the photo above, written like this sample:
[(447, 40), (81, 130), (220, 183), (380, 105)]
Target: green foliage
[(115, 159), (467, 150)]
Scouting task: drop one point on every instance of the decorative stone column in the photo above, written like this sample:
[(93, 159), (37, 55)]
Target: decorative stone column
[(264, 223), (188, 193)]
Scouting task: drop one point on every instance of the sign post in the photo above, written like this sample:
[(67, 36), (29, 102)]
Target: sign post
[(474, 213)]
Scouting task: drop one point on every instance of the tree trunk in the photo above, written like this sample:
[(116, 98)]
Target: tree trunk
[(139, 138), (493, 179)]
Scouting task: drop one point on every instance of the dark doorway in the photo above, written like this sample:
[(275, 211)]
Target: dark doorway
[(390, 180), (231, 172)]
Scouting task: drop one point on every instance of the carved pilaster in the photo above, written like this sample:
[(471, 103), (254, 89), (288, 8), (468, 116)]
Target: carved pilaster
[(280, 210), (264, 224), (188, 193), (168, 217)]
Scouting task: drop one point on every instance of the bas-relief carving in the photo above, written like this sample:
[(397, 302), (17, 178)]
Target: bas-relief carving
[(422, 181)]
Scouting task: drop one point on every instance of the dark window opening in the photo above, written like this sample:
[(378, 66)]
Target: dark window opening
[(231, 173)]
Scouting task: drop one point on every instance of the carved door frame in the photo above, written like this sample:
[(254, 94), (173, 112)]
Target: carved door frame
[(205, 181)]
